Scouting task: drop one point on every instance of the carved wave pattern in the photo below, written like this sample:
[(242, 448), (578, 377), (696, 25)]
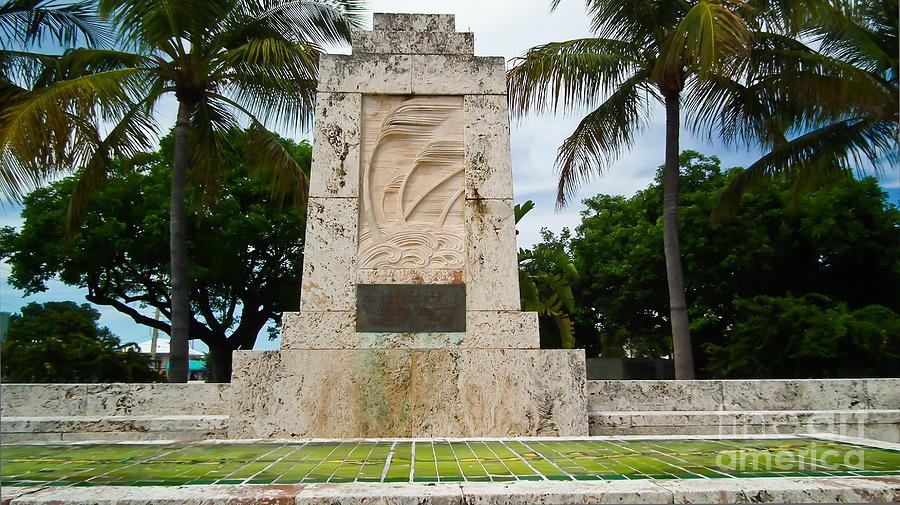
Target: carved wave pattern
[(413, 188)]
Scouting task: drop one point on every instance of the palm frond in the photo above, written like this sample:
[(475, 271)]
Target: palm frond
[(318, 22), (32, 22), (568, 74), (817, 157), (708, 36), (265, 154), (603, 134)]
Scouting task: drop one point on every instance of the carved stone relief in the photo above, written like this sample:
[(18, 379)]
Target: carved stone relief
[(412, 183)]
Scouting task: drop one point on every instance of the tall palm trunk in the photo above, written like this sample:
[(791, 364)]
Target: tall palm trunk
[(178, 249), (681, 330)]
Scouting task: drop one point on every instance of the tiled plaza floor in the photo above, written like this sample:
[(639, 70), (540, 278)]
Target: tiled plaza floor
[(132, 464)]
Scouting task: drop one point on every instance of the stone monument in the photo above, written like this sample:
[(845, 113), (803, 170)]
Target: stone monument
[(410, 323)]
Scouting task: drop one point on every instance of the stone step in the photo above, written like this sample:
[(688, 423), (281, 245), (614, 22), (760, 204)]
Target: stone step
[(877, 424), (76, 428)]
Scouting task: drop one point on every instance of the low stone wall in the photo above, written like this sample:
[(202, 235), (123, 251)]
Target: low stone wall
[(868, 408), (46, 412)]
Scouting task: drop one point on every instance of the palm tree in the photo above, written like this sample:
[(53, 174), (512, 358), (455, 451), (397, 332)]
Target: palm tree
[(26, 25), (643, 51), (220, 59), (819, 91)]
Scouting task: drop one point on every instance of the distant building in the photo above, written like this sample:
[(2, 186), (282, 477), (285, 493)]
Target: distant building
[(196, 361)]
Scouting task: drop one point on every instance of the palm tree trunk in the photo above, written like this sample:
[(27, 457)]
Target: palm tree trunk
[(681, 329), (178, 351)]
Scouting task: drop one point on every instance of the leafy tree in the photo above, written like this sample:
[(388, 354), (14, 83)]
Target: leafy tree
[(808, 337), (841, 243), (643, 51), (246, 251), (61, 342), (218, 58)]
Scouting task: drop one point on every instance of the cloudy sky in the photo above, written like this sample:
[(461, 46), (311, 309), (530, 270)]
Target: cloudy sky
[(502, 28)]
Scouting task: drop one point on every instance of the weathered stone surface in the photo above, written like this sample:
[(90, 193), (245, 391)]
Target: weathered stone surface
[(807, 394), (612, 395), (486, 392), (413, 42), (326, 393), (564, 492), (42, 399), (409, 276), (415, 22), (54, 400), (882, 393), (411, 393), (330, 255), (319, 330), (365, 73), (381, 493), (488, 166), (162, 495), (492, 271), (494, 329), (335, 155), (436, 74)]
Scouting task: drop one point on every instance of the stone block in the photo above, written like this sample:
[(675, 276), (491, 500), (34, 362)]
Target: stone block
[(436, 74), (496, 393), (413, 42), (320, 393), (319, 330), (882, 393), (387, 493), (156, 399), (563, 492), (335, 155), (42, 400), (330, 255), (366, 73), (407, 393), (636, 395), (493, 329), (492, 279), (409, 276), (801, 394), (413, 22), (488, 167)]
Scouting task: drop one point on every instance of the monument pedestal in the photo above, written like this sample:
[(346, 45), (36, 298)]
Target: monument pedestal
[(385, 393), (410, 323)]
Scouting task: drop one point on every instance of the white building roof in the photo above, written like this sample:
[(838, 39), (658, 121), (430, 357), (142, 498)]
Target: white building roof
[(162, 347)]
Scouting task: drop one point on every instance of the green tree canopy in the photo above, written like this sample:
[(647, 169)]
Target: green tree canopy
[(61, 342), (841, 243), (246, 251)]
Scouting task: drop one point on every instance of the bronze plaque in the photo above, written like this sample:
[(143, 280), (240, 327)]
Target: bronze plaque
[(410, 308)]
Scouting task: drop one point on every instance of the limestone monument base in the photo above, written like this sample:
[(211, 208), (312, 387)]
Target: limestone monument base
[(410, 323)]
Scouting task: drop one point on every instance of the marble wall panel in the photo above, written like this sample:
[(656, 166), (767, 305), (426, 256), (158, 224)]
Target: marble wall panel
[(492, 281), (413, 42), (435, 74), (483, 392), (327, 393), (330, 255), (335, 155), (366, 73), (488, 166), (414, 22)]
